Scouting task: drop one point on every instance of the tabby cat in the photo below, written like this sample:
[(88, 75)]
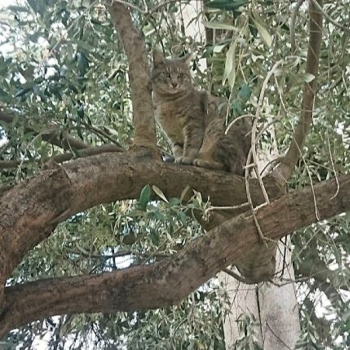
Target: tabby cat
[(194, 121)]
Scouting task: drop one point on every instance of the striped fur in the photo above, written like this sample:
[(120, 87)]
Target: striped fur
[(194, 121)]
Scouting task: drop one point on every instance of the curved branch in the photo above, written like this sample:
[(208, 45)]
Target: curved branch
[(30, 210), (292, 24), (140, 81), (169, 281), (288, 163)]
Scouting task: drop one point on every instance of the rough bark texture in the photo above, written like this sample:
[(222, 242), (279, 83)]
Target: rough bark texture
[(56, 194), (157, 285), (279, 314), (29, 212), (242, 302), (140, 81)]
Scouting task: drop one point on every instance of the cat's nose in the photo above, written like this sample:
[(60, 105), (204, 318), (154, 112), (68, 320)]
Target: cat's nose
[(174, 84)]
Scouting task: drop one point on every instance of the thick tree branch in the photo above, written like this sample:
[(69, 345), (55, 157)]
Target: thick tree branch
[(288, 163), (140, 81), (169, 281), (29, 211)]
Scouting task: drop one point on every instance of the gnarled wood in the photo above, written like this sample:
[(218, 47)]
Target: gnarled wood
[(29, 211), (167, 282)]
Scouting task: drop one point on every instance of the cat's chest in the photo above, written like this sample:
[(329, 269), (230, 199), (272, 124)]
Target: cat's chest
[(172, 117)]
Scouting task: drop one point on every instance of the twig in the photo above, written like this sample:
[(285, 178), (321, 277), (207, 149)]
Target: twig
[(237, 276), (284, 170), (292, 24), (254, 128), (252, 153), (328, 17), (333, 167), (227, 208)]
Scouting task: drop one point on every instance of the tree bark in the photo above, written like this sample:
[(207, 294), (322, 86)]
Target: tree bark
[(164, 283), (140, 81)]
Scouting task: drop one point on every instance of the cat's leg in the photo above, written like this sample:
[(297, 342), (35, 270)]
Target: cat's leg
[(178, 151), (194, 133)]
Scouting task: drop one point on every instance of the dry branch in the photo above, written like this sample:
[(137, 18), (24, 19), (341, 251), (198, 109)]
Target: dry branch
[(169, 281), (140, 81), (67, 142), (288, 163)]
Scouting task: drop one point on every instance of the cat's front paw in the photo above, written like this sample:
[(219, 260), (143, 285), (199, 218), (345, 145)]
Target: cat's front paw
[(184, 160), (203, 163)]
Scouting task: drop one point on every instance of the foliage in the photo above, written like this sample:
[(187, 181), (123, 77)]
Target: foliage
[(63, 69)]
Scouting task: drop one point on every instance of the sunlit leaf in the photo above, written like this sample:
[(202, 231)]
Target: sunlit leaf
[(230, 65), (159, 193), (218, 25), (261, 27)]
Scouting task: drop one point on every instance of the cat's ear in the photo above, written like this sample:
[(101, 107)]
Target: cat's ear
[(187, 58), (158, 58)]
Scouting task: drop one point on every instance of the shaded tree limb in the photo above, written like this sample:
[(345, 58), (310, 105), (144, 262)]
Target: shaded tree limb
[(292, 24), (107, 148), (66, 142), (285, 169), (140, 81), (10, 164), (169, 281), (60, 158)]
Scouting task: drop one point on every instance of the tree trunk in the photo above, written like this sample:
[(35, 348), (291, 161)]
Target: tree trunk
[(273, 309)]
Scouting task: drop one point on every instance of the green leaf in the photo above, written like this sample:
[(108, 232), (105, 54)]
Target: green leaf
[(307, 77), (83, 63), (261, 27), (17, 8), (226, 4), (145, 197), (38, 6), (245, 92), (219, 25), (230, 65)]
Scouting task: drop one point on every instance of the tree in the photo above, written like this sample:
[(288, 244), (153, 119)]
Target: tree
[(75, 93)]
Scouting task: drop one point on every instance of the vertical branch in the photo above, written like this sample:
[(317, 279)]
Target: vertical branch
[(291, 158), (140, 81)]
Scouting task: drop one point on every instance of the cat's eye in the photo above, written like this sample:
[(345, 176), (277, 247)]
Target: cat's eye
[(167, 75), (180, 75)]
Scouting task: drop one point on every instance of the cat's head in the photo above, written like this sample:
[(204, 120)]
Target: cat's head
[(170, 76)]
